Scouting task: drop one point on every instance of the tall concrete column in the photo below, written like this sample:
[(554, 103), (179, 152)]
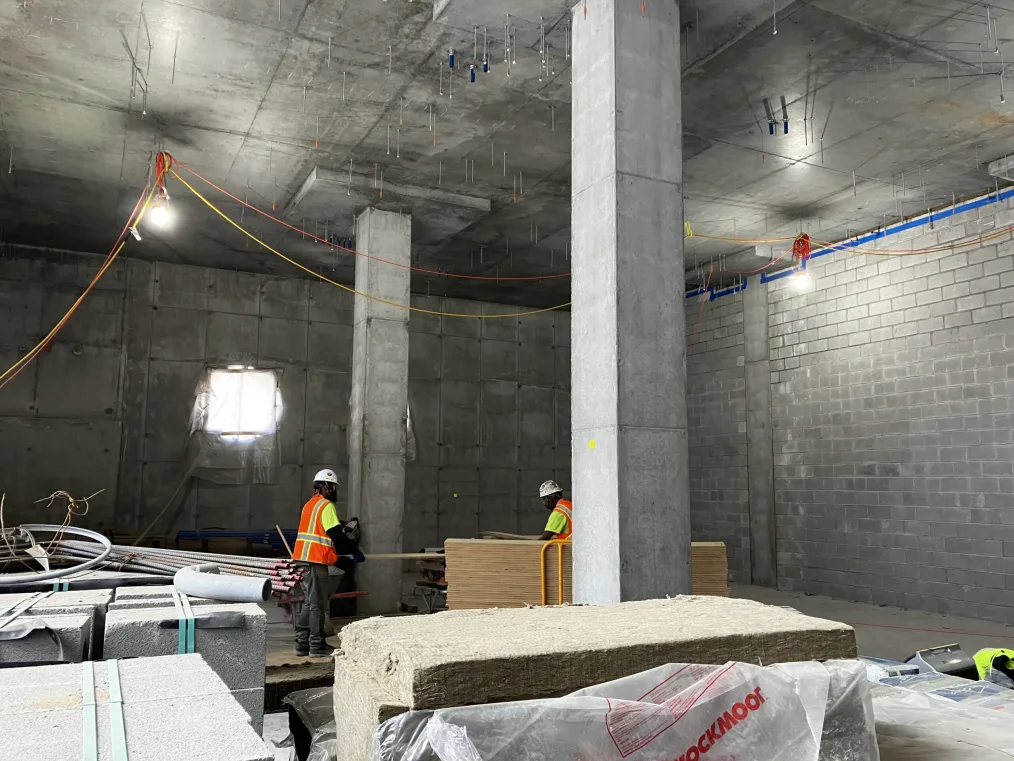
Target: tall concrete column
[(760, 453), (628, 400), (379, 401)]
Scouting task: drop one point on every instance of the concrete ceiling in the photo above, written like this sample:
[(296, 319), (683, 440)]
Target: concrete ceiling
[(257, 94)]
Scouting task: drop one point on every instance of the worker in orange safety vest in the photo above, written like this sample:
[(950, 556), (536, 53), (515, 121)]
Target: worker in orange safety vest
[(320, 543), (561, 518)]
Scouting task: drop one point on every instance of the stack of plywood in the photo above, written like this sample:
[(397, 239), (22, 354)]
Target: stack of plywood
[(463, 657), (508, 573)]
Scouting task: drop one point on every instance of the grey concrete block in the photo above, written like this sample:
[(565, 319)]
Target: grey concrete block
[(235, 653), (88, 602), (172, 707), (41, 637)]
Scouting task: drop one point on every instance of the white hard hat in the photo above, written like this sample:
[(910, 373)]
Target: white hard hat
[(550, 487), (327, 476)]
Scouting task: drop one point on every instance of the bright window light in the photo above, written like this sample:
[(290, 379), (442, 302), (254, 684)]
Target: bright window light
[(242, 403)]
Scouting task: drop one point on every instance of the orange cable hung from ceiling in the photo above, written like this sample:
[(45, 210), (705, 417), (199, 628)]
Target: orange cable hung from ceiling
[(325, 279)]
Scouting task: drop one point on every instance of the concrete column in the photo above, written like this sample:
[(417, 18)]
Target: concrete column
[(379, 401), (628, 402), (760, 456)]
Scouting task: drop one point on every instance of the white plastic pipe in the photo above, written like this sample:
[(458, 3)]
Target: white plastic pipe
[(205, 581)]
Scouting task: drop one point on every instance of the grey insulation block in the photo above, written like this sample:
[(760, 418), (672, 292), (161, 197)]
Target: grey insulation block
[(523, 653), (237, 653), (32, 638), (360, 706), (180, 710)]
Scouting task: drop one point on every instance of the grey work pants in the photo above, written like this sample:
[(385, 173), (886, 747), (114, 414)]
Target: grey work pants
[(310, 619)]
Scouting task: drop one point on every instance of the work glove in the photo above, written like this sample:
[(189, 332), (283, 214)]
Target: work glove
[(358, 557)]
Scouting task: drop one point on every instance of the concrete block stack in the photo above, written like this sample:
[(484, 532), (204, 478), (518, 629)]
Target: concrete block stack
[(58, 626), (172, 708), (232, 638), (390, 665)]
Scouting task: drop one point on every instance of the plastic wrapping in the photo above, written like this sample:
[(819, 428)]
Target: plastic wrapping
[(314, 707), (234, 428), (325, 744), (679, 712), (920, 727)]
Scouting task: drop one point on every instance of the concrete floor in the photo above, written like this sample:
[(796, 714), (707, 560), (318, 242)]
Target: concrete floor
[(885, 632)]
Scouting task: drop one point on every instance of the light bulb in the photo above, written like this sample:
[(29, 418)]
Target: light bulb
[(802, 280), (159, 215)]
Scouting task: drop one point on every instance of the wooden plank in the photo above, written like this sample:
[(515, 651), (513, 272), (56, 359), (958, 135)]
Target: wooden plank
[(507, 573)]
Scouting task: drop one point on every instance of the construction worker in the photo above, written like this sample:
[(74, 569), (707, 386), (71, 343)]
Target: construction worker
[(561, 518), (996, 664), (319, 544)]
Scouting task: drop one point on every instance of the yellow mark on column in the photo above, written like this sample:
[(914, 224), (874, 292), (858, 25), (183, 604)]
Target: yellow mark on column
[(591, 444)]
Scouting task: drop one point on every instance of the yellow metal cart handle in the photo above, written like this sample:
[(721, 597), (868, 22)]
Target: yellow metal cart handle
[(559, 557)]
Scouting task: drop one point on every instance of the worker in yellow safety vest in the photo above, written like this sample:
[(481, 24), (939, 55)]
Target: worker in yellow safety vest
[(561, 516), (320, 543), (995, 664)]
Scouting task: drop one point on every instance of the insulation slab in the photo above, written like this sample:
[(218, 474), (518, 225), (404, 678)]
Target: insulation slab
[(173, 708), (463, 657), (236, 653), (496, 573), (360, 706)]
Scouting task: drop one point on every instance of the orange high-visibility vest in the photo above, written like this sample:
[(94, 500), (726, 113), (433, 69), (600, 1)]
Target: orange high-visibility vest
[(566, 509), (312, 542)]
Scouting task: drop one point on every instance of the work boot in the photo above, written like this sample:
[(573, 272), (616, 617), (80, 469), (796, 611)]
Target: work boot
[(321, 653), (301, 652)]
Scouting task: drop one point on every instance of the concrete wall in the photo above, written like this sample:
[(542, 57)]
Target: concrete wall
[(892, 404), (490, 401), (108, 406)]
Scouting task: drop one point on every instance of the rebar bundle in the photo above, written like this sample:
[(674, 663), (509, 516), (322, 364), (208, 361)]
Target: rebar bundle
[(282, 572)]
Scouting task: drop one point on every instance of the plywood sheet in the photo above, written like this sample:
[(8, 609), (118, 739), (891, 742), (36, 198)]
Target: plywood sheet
[(508, 573)]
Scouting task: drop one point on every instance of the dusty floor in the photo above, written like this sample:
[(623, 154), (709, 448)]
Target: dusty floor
[(889, 632)]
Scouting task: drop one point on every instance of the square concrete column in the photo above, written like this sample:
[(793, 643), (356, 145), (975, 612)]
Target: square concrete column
[(629, 416), (379, 402)]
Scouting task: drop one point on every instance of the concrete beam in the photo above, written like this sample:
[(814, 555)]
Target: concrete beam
[(629, 415), (380, 400)]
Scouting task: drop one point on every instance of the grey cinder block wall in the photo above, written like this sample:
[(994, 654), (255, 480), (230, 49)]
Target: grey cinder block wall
[(107, 405), (892, 403)]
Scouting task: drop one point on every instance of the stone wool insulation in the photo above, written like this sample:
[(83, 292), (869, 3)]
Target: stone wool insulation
[(483, 656), (360, 706)]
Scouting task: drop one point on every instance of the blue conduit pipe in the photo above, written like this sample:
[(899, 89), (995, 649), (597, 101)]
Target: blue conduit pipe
[(921, 221)]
